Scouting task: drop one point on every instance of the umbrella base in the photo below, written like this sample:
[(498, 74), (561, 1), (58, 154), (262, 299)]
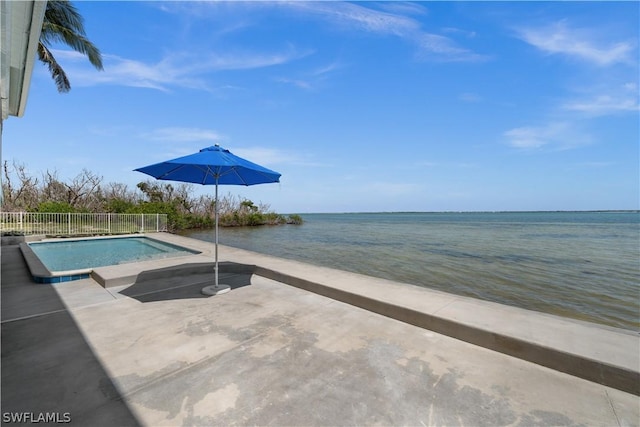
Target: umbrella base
[(215, 290)]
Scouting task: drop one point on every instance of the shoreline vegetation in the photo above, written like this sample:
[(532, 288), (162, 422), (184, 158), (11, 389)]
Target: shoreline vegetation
[(86, 193)]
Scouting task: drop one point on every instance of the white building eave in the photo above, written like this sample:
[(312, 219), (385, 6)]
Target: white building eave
[(20, 26)]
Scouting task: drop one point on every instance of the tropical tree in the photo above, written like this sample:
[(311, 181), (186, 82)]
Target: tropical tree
[(63, 24)]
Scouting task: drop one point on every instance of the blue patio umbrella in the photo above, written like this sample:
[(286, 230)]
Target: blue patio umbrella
[(212, 166)]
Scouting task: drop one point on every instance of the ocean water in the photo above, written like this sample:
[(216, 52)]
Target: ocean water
[(583, 265)]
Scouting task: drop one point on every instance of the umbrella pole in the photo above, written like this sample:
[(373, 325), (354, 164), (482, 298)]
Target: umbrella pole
[(216, 289), (216, 218)]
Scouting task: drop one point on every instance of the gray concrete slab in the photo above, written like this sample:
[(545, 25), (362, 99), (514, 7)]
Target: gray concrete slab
[(47, 365), (598, 353), (22, 297), (157, 352), (270, 354)]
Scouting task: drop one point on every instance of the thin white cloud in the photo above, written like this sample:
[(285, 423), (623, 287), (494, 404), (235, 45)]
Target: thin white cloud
[(470, 97), (358, 17), (392, 22), (299, 83), (606, 99), (604, 105), (248, 60), (585, 44), (271, 156), (125, 72), (192, 69), (404, 8), (556, 135), (596, 91), (262, 155), (434, 46), (313, 79), (177, 70), (180, 134), (527, 137), (327, 69), (453, 30)]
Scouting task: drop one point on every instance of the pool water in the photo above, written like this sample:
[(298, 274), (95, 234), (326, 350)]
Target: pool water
[(92, 253)]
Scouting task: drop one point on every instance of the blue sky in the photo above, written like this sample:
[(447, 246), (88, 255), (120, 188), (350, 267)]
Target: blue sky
[(363, 106)]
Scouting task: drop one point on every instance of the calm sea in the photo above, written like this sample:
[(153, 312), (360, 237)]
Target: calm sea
[(584, 265)]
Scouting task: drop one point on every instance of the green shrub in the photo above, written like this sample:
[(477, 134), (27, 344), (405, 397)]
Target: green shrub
[(294, 219), (175, 221), (273, 218), (119, 206), (254, 218), (55, 207)]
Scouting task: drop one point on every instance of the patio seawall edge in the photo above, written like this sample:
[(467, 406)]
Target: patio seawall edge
[(597, 353)]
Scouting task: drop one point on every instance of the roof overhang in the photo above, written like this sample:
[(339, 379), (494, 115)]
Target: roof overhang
[(20, 26)]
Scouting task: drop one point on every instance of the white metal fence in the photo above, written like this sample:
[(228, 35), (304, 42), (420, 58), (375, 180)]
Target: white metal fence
[(75, 224)]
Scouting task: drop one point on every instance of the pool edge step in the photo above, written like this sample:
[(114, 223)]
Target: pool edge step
[(109, 277)]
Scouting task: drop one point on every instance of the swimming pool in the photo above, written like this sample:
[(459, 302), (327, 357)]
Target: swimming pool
[(68, 260)]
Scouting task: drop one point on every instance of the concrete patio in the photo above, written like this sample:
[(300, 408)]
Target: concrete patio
[(154, 351)]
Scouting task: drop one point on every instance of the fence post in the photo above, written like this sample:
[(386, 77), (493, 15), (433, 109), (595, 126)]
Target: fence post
[(142, 221), (157, 223), (21, 223), (69, 223), (109, 222)]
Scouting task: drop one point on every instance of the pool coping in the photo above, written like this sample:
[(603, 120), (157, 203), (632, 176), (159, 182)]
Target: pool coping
[(41, 273), (598, 353)]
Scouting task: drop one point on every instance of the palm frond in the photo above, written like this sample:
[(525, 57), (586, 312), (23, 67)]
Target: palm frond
[(57, 73), (64, 12), (64, 24), (77, 42)]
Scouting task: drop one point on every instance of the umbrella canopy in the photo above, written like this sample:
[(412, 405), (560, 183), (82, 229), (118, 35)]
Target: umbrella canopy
[(212, 166)]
